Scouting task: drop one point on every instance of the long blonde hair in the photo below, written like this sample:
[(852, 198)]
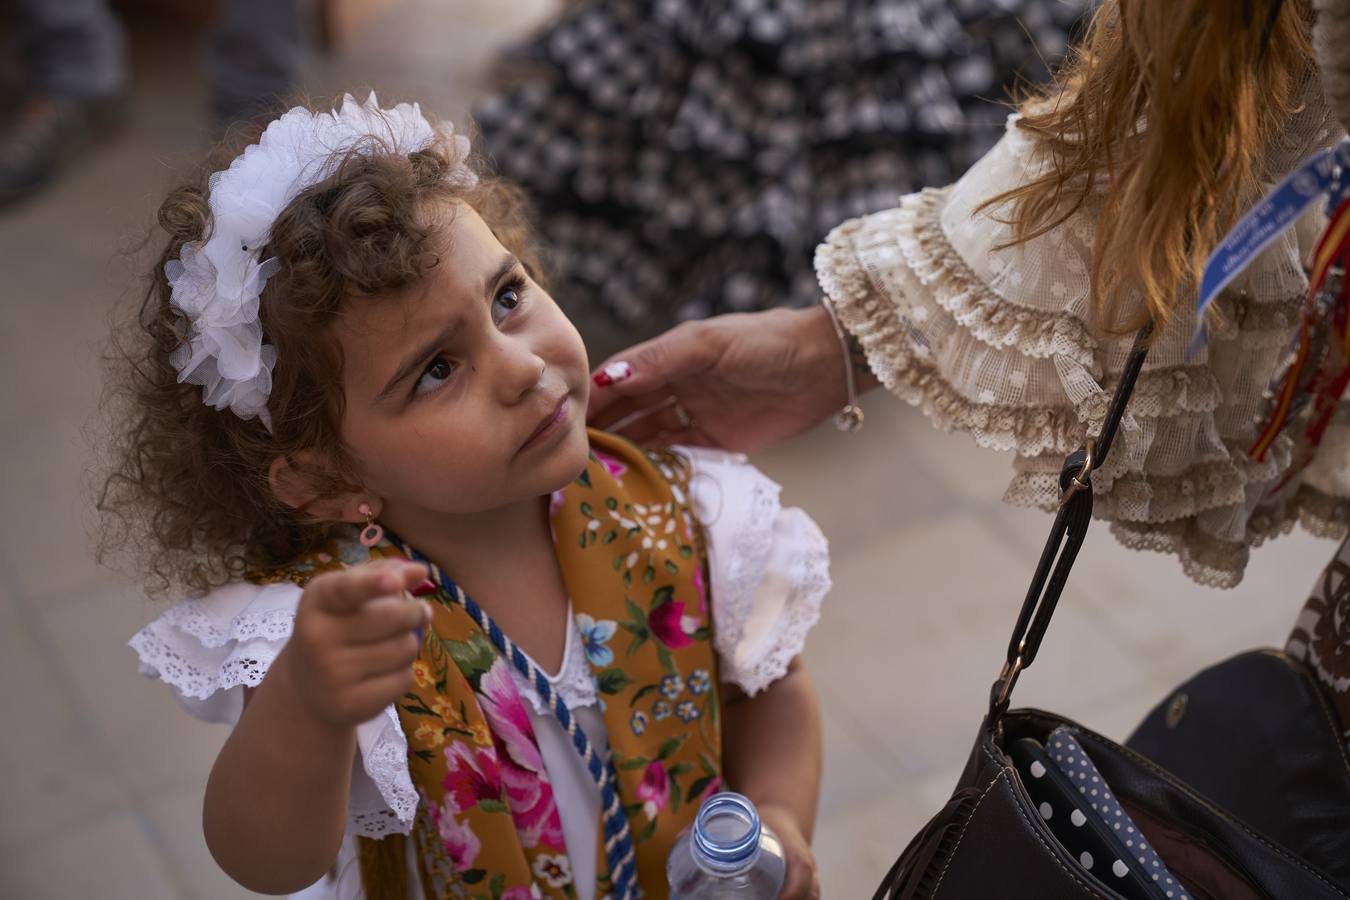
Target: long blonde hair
[(1159, 121)]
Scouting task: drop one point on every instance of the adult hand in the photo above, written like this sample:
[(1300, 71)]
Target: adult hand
[(741, 382), (802, 881)]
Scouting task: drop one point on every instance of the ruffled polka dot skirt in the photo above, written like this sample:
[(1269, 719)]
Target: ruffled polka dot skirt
[(685, 158)]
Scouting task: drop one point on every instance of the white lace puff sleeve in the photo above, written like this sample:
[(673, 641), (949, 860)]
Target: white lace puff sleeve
[(209, 649), (769, 566), (995, 338)]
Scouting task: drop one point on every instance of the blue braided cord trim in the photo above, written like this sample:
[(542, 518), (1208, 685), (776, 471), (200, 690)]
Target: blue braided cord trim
[(619, 850)]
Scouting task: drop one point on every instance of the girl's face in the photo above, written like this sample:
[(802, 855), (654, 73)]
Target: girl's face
[(466, 392)]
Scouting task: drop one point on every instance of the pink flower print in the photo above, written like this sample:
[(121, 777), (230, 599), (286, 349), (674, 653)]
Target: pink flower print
[(506, 716), (615, 468), (555, 503), (654, 791), (668, 623), (460, 842), (520, 892), (530, 799), (702, 590), (529, 795), (713, 787), (472, 774)]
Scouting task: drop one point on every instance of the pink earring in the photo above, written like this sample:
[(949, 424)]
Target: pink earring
[(372, 534)]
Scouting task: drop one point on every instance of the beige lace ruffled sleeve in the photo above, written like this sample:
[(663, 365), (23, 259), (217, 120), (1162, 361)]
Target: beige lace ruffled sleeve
[(997, 343)]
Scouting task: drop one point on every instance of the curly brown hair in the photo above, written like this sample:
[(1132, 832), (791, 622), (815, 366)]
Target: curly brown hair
[(186, 494)]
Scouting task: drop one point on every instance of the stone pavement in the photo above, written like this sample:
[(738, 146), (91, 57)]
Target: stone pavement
[(101, 775)]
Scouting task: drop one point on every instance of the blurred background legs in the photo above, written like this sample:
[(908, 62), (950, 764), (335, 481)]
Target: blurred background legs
[(76, 80), (252, 57), (73, 56)]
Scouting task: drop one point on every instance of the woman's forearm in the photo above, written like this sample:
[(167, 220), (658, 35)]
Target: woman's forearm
[(771, 746), (276, 801)]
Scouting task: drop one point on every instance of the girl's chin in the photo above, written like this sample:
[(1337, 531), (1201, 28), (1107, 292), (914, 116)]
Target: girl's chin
[(571, 458)]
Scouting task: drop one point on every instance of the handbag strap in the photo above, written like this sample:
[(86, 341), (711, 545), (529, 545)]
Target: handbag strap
[(1066, 535)]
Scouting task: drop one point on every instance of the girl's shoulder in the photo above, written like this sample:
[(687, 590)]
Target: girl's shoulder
[(768, 564), (204, 647), (207, 645), (208, 649)]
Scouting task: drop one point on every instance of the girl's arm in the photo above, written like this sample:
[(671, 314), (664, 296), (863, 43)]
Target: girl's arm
[(276, 801), (771, 753)]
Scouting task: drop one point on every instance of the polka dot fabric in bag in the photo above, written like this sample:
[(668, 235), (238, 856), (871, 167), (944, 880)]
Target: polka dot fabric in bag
[(1075, 763), (1081, 812)]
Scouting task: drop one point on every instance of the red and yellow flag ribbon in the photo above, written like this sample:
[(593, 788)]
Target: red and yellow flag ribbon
[(1325, 307)]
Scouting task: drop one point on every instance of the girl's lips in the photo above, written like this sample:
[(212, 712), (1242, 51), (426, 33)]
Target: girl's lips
[(549, 426)]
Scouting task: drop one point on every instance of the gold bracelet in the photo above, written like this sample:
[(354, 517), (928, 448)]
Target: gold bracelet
[(850, 418)]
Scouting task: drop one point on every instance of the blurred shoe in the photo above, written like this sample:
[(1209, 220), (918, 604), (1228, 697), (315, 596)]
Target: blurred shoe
[(48, 134)]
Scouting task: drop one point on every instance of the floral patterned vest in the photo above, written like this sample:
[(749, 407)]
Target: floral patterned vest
[(632, 559)]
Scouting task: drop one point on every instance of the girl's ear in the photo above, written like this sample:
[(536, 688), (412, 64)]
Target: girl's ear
[(292, 482)]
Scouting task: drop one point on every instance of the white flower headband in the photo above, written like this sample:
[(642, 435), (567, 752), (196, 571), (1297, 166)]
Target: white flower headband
[(217, 283)]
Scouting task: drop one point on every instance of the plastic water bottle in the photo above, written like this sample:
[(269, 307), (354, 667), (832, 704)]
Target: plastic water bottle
[(727, 853)]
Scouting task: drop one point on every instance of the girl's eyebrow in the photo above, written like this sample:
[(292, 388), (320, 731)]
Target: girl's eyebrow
[(419, 358), (504, 268)]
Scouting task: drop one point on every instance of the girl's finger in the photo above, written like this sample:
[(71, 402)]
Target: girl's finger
[(387, 657), (801, 881), (374, 694), (795, 885), (347, 591), (385, 618)]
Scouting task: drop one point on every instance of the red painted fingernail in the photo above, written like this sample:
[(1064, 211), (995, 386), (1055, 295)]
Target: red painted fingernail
[(423, 589), (613, 374)]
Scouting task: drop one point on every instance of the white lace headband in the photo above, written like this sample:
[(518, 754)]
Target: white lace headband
[(217, 283)]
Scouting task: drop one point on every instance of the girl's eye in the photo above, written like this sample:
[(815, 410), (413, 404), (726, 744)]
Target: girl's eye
[(507, 301), (434, 375)]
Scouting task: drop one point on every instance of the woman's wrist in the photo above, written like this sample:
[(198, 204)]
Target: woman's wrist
[(816, 322), (845, 363)]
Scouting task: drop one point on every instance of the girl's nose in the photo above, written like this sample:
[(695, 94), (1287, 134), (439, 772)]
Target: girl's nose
[(520, 370)]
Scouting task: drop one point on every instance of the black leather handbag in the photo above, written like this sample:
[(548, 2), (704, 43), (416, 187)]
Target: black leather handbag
[(1257, 735), (991, 841)]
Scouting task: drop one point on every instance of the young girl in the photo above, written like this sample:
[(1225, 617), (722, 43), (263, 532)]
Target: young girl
[(348, 387)]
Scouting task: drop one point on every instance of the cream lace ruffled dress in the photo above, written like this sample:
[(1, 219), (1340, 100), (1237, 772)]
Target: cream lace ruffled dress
[(997, 343)]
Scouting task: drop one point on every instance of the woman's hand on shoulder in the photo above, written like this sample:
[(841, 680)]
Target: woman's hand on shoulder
[(355, 639), (741, 382), (802, 881)]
